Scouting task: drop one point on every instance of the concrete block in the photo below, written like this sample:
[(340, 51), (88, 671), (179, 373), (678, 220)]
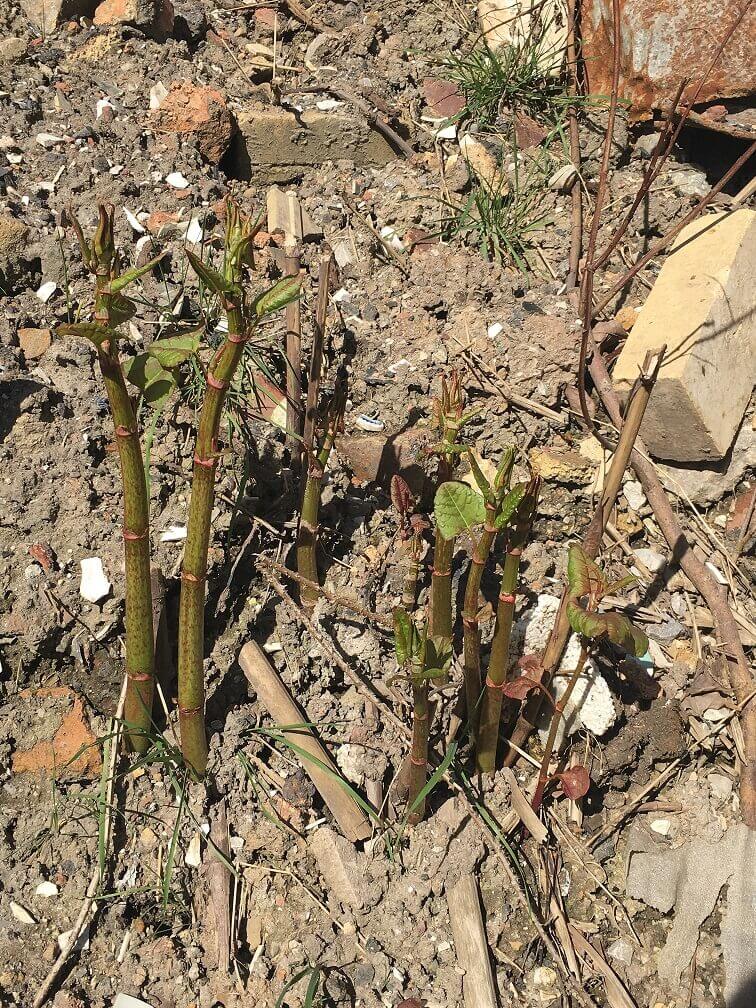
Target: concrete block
[(275, 145), (702, 307)]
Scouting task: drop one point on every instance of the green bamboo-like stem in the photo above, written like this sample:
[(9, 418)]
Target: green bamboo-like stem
[(490, 711), (470, 624), (559, 709), (191, 679), (307, 536), (140, 647), (418, 769)]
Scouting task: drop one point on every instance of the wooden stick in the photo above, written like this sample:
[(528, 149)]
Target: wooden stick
[(219, 881), (470, 942), (321, 769), (293, 360)]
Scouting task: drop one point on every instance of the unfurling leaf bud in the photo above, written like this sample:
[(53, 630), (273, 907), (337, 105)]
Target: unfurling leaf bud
[(103, 243)]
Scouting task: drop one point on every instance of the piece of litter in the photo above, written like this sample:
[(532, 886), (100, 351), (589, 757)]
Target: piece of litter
[(174, 533), (94, 584), (21, 914), (82, 944), (128, 1001), (177, 180), (193, 856), (368, 423), (46, 291), (157, 93), (46, 889), (494, 330), (327, 104)]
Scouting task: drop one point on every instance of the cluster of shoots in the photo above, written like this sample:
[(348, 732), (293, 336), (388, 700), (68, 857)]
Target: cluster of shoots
[(153, 375), (496, 516), (490, 512)]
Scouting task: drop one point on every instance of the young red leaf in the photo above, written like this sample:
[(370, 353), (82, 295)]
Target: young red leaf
[(575, 782), (519, 688), (401, 496)]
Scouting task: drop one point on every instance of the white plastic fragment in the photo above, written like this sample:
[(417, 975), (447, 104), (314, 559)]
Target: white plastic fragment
[(448, 132), (46, 889), (177, 180), (94, 584), (46, 291), (174, 533), (21, 914), (369, 423), (157, 94)]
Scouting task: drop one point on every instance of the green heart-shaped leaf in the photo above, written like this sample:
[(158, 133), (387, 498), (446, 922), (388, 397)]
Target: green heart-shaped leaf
[(457, 507)]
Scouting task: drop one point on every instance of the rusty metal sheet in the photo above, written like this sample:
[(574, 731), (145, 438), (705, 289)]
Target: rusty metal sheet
[(664, 41)]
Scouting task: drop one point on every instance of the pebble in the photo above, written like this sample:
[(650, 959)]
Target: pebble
[(721, 786), (651, 559), (661, 826), (621, 950), (46, 889), (46, 291), (634, 495), (21, 914)]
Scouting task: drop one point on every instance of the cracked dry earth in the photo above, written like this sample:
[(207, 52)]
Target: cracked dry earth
[(165, 114)]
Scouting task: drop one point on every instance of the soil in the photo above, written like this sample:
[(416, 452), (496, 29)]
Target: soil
[(78, 129)]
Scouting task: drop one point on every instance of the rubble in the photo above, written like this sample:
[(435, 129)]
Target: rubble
[(198, 112), (701, 308), (275, 145)]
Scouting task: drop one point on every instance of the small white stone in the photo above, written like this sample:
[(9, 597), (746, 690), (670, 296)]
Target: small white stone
[(46, 889), (236, 843), (327, 104), (563, 178), (661, 826), (544, 977), (494, 330), (447, 132), (102, 104), (621, 950), (721, 786), (193, 856), (391, 238), (634, 495), (48, 139), (46, 291), (21, 914), (94, 584), (82, 944), (157, 94), (177, 180), (651, 559)]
